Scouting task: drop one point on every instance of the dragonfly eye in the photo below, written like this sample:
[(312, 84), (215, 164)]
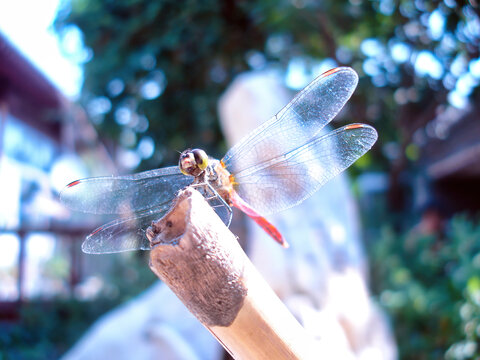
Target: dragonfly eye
[(193, 162), (201, 158)]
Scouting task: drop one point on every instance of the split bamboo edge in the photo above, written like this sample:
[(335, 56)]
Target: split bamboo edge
[(196, 255)]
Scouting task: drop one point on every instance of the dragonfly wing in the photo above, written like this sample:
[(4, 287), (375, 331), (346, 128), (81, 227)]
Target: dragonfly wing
[(124, 194), (287, 180), (223, 211), (216, 202), (299, 121), (123, 234)]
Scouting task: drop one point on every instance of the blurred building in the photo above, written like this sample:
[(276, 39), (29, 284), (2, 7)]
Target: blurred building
[(41, 132), (450, 162)]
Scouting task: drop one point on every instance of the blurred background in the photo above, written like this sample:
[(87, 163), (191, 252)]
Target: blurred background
[(113, 87)]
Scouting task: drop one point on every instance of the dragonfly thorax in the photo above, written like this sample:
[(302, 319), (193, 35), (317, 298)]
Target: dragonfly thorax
[(193, 162)]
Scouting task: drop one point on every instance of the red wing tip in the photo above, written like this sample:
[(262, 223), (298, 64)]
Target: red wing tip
[(354, 126), (331, 71), (73, 183), (96, 231)]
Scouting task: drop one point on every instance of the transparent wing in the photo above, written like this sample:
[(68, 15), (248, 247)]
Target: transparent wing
[(123, 234), (218, 204), (129, 233), (288, 179), (299, 121), (124, 194)]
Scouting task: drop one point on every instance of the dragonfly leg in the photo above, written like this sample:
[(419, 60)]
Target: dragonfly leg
[(214, 195)]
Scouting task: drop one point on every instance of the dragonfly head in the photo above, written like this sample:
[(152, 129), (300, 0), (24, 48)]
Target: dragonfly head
[(193, 162)]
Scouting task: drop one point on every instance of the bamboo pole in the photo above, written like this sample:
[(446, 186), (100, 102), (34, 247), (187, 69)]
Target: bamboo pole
[(196, 255)]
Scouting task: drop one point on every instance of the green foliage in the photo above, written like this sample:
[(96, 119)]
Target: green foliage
[(188, 51), (191, 50), (431, 288), (45, 330), (129, 276)]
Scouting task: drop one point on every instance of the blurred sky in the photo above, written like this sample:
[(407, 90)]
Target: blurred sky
[(28, 25)]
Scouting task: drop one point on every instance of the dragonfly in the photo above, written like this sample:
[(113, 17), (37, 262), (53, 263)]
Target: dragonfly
[(277, 166)]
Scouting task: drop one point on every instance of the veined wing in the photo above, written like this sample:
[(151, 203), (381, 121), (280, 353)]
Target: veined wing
[(123, 234), (129, 233), (286, 180), (298, 122), (124, 194)]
